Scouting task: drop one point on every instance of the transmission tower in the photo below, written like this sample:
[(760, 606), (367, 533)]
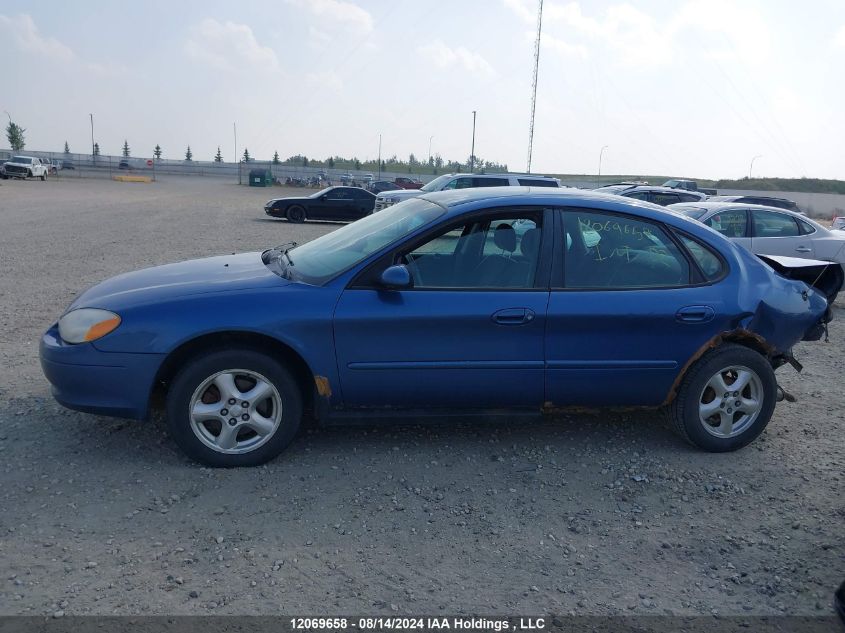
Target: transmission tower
[(534, 83)]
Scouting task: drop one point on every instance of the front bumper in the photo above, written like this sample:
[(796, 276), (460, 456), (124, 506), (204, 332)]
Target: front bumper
[(276, 213), (105, 383)]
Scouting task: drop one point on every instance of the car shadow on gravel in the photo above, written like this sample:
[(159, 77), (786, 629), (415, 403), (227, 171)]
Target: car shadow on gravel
[(144, 443)]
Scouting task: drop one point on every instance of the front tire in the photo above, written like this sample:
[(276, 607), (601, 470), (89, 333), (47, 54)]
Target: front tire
[(725, 400), (44, 176), (296, 214), (233, 408)]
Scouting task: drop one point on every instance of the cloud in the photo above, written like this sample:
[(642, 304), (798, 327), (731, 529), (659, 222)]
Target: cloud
[(346, 15), (839, 38), (228, 46), (23, 31), (326, 80), (522, 9), (727, 30), (443, 56), (564, 48)]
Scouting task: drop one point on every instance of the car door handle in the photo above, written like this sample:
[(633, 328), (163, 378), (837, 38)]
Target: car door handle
[(513, 316), (803, 249), (695, 314)]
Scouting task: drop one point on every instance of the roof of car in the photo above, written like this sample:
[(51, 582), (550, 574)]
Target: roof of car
[(734, 197), (660, 189), (719, 205), (499, 175)]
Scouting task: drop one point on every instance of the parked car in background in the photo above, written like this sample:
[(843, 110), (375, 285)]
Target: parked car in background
[(50, 165), (465, 181), (124, 163), (768, 201), (663, 196), (25, 167), (332, 203), (68, 164), (838, 222), (688, 185), (769, 230), (408, 183), (439, 305), (383, 185)]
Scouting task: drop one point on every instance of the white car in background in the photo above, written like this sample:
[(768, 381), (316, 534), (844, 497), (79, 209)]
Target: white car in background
[(768, 230), (464, 181)]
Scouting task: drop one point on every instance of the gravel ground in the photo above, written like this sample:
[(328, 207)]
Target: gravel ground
[(590, 514)]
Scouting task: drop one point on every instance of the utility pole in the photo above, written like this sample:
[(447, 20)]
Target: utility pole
[(93, 153), (237, 160), (534, 84), (379, 156), (472, 151), (751, 168), (429, 148), (601, 153)]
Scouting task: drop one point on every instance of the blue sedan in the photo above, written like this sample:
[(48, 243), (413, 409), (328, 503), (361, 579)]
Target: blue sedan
[(494, 301)]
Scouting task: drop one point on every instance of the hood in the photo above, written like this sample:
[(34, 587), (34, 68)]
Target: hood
[(402, 194), (290, 199), (172, 281)]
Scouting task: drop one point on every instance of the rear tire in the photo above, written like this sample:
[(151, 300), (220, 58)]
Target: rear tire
[(44, 177), (258, 427), (725, 400), (296, 214)]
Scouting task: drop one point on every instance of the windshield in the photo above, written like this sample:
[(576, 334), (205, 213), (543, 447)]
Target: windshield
[(437, 184), (321, 259), (690, 212), (20, 159), (613, 188), (321, 192)]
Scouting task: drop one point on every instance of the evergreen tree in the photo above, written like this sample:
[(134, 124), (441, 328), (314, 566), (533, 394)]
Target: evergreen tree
[(218, 157), (305, 161), (125, 148), (14, 133), (246, 157), (96, 149), (189, 155), (67, 148), (157, 152), (276, 159), (357, 164), (330, 162)]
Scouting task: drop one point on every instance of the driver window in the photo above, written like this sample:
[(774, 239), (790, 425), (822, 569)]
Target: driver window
[(500, 252)]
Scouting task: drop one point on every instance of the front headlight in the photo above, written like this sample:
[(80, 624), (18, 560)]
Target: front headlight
[(393, 200), (87, 324)]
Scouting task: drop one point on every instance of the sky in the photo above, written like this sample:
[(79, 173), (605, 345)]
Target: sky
[(692, 88)]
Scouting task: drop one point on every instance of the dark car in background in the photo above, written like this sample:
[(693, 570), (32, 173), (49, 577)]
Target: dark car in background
[(408, 183), (766, 201), (383, 185), (663, 196), (332, 203)]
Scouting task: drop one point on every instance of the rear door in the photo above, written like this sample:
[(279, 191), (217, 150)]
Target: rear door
[(732, 223), (626, 312), (775, 233)]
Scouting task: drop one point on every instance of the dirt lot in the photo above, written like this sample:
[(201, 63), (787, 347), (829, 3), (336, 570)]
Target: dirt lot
[(589, 514)]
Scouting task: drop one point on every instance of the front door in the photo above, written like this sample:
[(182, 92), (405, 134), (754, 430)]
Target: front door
[(468, 334)]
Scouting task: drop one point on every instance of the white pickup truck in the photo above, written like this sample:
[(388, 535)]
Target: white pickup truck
[(25, 167)]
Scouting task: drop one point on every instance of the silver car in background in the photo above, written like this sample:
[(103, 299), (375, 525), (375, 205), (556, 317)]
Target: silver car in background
[(769, 230)]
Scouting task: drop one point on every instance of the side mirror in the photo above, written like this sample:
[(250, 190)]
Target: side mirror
[(396, 278)]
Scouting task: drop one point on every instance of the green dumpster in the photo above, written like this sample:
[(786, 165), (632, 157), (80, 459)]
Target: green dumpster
[(260, 178)]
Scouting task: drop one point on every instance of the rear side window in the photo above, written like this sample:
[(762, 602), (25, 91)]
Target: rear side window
[(536, 182), (490, 182), (617, 252), (772, 224), (706, 259), (686, 197), (638, 195), (664, 199), (729, 223), (806, 227)]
